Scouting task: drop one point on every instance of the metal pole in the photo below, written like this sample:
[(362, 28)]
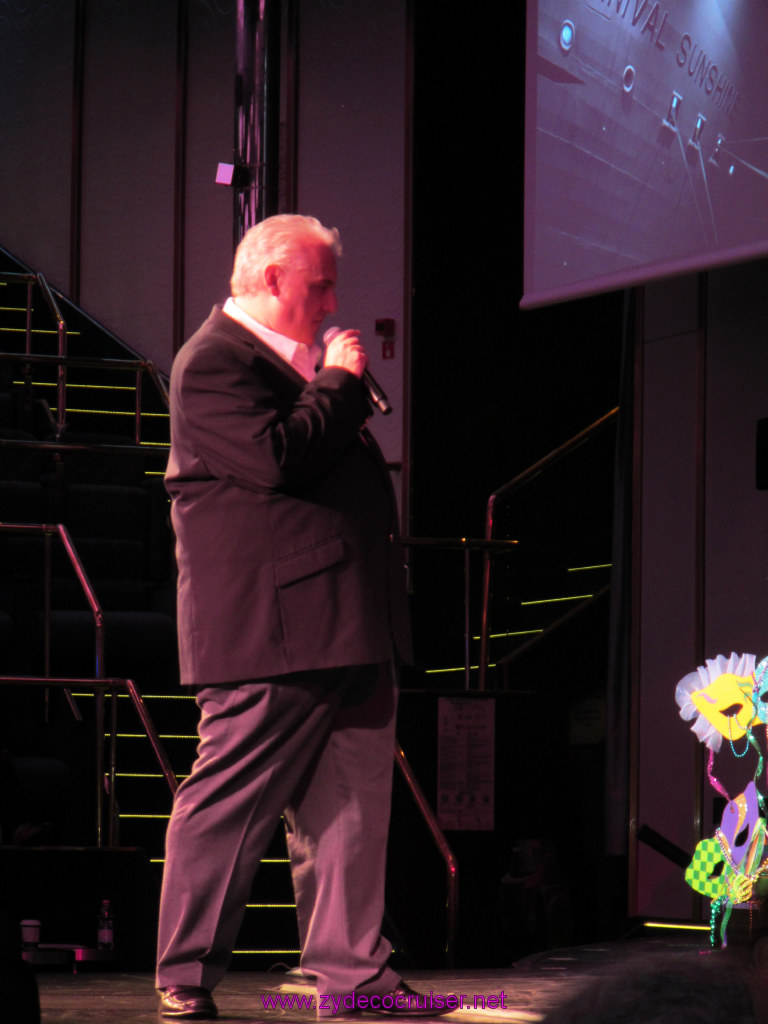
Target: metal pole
[(154, 739), (452, 868), (137, 425), (112, 767), (28, 343), (485, 627), (47, 615), (467, 629), (61, 380), (99, 726)]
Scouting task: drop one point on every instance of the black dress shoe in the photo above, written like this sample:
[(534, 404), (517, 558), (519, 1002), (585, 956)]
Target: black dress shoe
[(403, 1001), (187, 1002)]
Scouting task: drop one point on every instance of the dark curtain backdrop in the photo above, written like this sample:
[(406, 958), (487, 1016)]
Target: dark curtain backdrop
[(493, 388)]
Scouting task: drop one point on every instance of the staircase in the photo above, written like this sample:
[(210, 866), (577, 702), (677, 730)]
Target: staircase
[(553, 592), (95, 463), (537, 584)]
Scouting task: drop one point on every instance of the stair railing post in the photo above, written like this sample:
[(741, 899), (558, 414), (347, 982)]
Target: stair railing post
[(98, 619), (28, 338), (112, 806), (137, 422), (451, 866), (61, 379), (61, 374), (467, 624), (485, 612)]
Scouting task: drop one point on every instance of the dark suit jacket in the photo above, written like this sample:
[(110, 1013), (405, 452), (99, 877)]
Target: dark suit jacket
[(285, 520)]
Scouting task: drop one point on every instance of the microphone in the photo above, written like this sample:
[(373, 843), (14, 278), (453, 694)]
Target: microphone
[(375, 391)]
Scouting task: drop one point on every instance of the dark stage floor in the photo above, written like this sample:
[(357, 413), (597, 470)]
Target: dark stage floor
[(523, 993)]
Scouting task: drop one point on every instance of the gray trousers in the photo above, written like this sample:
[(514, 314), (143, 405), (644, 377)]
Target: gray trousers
[(317, 747)]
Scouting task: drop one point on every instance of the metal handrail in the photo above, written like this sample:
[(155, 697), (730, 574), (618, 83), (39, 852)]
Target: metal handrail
[(551, 629), (513, 485), (140, 366), (111, 683), (154, 451), (61, 332), (452, 868), (467, 545), (100, 683), (61, 335), (158, 381), (63, 360), (30, 280)]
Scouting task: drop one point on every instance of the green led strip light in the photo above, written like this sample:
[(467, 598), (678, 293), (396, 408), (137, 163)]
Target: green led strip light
[(115, 412), (518, 632), (143, 775), (461, 668), (36, 330), (264, 860), (677, 927), (270, 952), (145, 696), (143, 736), (82, 387)]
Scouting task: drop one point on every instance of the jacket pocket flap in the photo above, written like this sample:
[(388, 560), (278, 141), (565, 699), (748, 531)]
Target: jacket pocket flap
[(311, 560)]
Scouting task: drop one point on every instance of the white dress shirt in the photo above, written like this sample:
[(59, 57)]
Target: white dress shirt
[(304, 360)]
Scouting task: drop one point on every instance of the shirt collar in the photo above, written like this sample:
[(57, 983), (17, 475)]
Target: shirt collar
[(303, 359)]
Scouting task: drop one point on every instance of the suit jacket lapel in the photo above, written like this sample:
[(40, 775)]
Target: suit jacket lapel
[(262, 350), (265, 352)]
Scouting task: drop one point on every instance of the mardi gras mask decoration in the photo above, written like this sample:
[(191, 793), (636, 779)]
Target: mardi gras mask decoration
[(728, 697), (760, 695), (719, 696)]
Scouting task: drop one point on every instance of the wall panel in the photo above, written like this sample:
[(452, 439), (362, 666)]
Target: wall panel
[(128, 169), (36, 47), (208, 247), (702, 396), (130, 119), (352, 170)]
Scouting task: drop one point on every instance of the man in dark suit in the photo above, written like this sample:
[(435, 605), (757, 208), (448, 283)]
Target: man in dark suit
[(291, 610)]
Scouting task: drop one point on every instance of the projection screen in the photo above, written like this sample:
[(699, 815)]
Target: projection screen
[(646, 141)]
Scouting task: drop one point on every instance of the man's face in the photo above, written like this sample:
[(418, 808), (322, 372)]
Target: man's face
[(307, 293)]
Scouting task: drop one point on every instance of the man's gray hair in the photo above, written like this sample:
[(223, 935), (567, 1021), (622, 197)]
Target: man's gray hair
[(277, 240)]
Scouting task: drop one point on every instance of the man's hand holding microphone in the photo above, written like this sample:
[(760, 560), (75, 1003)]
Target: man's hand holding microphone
[(344, 349)]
